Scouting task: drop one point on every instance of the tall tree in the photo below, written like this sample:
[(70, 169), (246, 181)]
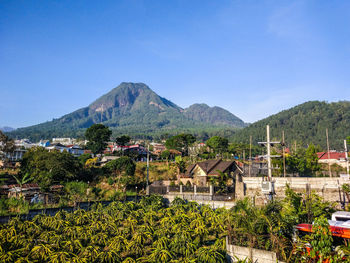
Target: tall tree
[(98, 136), (180, 142), (123, 140), (7, 146), (218, 144)]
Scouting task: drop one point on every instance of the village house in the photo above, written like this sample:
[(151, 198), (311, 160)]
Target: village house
[(44, 143), (72, 149), (332, 157), (202, 171), (15, 190), (75, 150), (158, 148), (64, 141), (197, 148)]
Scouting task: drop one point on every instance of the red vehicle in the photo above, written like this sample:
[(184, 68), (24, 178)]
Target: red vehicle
[(339, 226)]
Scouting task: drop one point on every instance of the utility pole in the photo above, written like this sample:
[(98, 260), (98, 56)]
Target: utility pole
[(268, 145), (329, 165), (250, 156), (243, 159), (284, 155), (346, 157), (268, 152), (267, 186), (147, 182)]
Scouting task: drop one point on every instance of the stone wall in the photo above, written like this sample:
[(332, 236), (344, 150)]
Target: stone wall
[(202, 200), (328, 188), (235, 253)]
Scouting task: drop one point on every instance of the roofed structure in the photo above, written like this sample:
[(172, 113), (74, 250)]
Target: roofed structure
[(202, 170)]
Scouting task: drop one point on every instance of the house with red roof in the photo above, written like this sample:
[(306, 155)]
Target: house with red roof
[(332, 157)]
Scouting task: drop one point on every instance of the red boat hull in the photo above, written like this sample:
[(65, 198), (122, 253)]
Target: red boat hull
[(335, 230)]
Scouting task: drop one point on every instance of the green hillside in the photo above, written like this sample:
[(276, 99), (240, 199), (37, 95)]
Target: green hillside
[(134, 109), (214, 115), (305, 123)]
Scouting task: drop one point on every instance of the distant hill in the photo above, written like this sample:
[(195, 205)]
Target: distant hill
[(304, 123), (134, 109), (6, 129), (214, 115)]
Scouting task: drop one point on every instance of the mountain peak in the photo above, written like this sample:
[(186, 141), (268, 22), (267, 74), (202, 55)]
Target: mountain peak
[(134, 108), (121, 96), (214, 115)]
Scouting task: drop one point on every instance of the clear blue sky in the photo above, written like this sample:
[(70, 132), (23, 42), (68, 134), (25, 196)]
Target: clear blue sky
[(253, 58)]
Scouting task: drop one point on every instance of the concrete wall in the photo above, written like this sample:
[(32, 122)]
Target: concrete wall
[(201, 199), (328, 188), (257, 255)]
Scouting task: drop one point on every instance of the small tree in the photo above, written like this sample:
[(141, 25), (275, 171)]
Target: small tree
[(181, 166), (122, 167), (321, 239), (165, 155), (21, 181)]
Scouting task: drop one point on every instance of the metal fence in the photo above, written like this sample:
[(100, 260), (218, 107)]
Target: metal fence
[(203, 189), (160, 190), (187, 189), (224, 190), (174, 188)]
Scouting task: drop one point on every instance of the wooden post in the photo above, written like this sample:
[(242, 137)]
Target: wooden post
[(346, 157), (329, 165), (268, 153), (250, 155), (284, 156)]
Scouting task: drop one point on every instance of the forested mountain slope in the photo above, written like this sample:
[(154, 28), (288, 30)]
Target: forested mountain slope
[(134, 109), (305, 123)]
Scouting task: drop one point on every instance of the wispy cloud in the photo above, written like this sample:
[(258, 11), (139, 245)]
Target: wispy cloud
[(288, 21)]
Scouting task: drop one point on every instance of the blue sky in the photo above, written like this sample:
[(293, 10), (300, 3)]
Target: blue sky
[(253, 58)]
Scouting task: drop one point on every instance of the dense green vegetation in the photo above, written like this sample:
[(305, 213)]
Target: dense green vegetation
[(134, 109), (305, 123), (303, 161), (121, 232), (47, 168), (180, 142), (150, 231)]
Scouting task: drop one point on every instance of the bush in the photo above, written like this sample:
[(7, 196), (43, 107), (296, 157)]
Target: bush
[(110, 181), (76, 190), (13, 206)]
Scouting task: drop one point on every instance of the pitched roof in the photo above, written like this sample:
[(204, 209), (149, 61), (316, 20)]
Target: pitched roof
[(211, 167), (207, 166), (222, 167), (332, 155)]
